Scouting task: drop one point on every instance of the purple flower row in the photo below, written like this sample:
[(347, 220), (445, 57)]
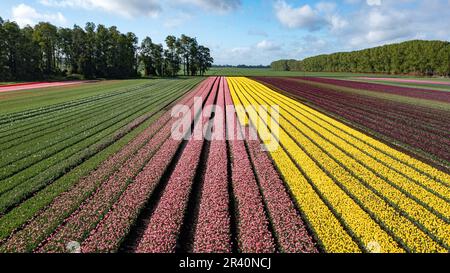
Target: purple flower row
[(349, 107), (429, 118), (404, 91)]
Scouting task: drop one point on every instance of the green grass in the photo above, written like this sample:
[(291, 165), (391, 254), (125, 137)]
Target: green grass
[(19, 215), (50, 142), (29, 99)]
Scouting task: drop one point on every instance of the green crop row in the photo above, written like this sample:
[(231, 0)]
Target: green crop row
[(45, 171)]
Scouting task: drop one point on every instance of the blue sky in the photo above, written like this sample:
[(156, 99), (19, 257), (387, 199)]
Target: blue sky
[(252, 32)]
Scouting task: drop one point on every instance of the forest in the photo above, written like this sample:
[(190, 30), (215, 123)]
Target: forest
[(95, 51), (417, 57)]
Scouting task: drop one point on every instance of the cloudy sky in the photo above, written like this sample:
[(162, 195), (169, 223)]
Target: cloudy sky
[(252, 31)]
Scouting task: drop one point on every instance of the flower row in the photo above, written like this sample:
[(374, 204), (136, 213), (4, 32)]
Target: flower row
[(162, 231)]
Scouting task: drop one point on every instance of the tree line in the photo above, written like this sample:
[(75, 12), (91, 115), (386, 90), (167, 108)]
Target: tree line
[(46, 51), (415, 57), (241, 66), (181, 52)]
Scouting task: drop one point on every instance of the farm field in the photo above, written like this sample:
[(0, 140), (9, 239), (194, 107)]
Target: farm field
[(269, 72), (97, 165), (354, 191), (411, 81), (45, 150), (429, 86), (247, 72), (416, 120), (35, 85), (22, 100)]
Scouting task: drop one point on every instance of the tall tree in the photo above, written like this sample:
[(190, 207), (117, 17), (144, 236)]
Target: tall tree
[(4, 73), (412, 57), (46, 35), (184, 45), (205, 59), (102, 51), (172, 57), (146, 56), (93, 51), (88, 61), (158, 59)]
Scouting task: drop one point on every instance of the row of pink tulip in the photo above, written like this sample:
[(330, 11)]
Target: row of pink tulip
[(212, 232), (289, 229), (253, 230), (82, 221), (45, 222), (164, 226), (117, 223)]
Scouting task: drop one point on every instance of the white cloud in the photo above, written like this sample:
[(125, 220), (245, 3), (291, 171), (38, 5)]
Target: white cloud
[(257, 32), (25, 15), (373, 2), (267, 45), (327, 7), (241, 50), (177, 21), (322, 15), (263, 52), (220, 6), (365, 24), (395, 21), (151, 8), (337, 23), (126, 8), (301, 17)]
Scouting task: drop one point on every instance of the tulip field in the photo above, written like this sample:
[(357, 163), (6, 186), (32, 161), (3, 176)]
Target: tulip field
[(356, 167)]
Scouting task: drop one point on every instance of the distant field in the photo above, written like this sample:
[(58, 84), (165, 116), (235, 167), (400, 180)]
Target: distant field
[(255, 72), (28, 99), (269, 72), (414, 85)]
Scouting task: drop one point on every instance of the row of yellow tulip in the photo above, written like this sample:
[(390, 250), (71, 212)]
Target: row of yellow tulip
[(328, 230), (345, 155), (377, 196), (358, 167)]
